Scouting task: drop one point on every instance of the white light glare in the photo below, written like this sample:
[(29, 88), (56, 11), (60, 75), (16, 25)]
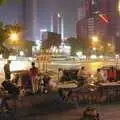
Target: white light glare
[(93, 57), (101, 56)]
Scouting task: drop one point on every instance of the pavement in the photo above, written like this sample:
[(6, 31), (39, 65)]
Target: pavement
[(49, 107)]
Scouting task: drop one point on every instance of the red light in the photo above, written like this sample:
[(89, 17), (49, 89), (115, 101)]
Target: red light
[(103, 18)]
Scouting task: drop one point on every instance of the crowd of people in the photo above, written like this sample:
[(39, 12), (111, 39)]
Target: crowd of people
[(102, 75), (32, 79), (87, 84), (38, 82), (30, 82), (83, 76), (112, 74)]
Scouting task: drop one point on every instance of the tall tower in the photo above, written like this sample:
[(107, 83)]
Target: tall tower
[(62, 28), (51, 27), (30, 19), (81, 12), (57, 24)]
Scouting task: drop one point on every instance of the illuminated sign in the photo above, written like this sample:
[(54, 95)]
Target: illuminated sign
[(104, 18)]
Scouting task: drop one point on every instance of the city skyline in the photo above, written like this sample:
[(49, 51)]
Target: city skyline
[(12, 13)]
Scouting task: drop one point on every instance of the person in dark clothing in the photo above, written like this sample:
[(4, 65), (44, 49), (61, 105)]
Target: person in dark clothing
[(61, 94), (90, 114), (7, 71), (26, 82), (46, 79)]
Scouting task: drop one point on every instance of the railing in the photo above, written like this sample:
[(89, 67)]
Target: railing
[(106, 93)]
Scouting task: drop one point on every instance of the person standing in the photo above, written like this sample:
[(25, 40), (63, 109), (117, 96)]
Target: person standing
[(60, 74), (7, 71), (34, 74)]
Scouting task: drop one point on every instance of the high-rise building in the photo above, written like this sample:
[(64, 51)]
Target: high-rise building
[(82, 28), (81, 11), (57, 24), (30, 18), (102, 17), (54, 22), (109, 8)]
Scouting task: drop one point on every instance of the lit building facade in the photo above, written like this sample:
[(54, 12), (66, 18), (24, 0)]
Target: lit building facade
[(101, 17), (82, 28)]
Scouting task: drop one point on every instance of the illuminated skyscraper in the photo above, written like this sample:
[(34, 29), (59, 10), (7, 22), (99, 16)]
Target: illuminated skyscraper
[(101, 18), (103, 14), (81, 10), (57, 24)]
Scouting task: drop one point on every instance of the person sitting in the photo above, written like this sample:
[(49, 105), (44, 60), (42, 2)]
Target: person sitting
[(112, 74), (15, 79), (82, 76), (99, 76), (46, 79)]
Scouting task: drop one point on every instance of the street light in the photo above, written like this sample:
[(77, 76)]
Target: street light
[(1, 56), (21, 53), (109, 44), (94, 49), (13, 36), (58, 15), (79, 53), (95, 39)]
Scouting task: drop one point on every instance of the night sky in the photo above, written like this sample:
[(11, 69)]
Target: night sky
[(12, 12)]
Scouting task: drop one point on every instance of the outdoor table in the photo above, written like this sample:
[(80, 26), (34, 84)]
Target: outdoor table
[(67, 85)]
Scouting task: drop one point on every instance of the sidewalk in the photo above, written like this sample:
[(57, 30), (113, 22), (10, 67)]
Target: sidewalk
[(44, 105), (48, 107)]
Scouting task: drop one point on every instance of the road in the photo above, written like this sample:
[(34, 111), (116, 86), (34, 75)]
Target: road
[(48, 107), (90, 65), (53, 66)]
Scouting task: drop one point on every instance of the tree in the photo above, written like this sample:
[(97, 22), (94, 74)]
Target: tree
[(52, 39), (2, 2), (5, 31), (3, 36), (76, 45)]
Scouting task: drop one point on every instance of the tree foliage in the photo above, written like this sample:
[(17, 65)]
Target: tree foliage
[(2, 2), (5, 31), (76, 45), (52, 39)]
